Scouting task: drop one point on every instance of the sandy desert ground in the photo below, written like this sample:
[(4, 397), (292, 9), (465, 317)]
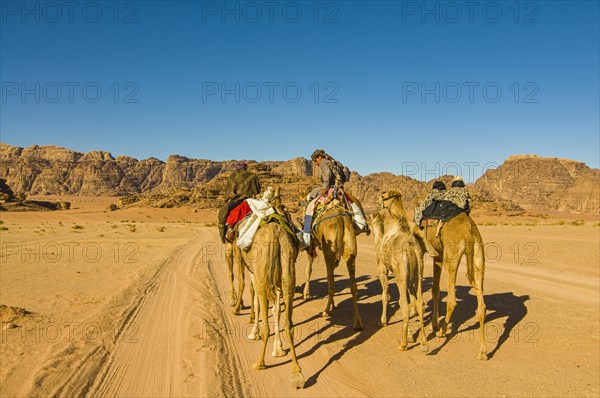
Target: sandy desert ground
[(134, 303)]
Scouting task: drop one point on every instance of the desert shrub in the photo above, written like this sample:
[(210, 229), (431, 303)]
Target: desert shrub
[(77, 226), (3, 228), (161, 229), (577, 223)]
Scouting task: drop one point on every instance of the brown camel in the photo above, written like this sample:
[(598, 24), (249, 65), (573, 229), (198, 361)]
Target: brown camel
[(457, 237), (334, 234), (398, 251), (271, 259)]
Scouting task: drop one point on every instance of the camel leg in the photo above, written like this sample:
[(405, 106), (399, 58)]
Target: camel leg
[(382, 273), (401, 279), (255, 314), (419, 280), (288, 287), (253, 305), (229, 260), (435, 293), (476, 266), (277, 347), (240, 271), (264, 330), (308, 273), (451, 262), (297, 378), (412, 295), (331, 285), (350, 263)]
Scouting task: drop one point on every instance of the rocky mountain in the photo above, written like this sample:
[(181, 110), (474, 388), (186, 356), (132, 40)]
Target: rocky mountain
[(9, 201), (545, 183), (522, 181), (55, 170)]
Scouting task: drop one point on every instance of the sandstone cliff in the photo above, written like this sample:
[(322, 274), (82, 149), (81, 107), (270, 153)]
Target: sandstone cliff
[(545, 183), (522, 181)]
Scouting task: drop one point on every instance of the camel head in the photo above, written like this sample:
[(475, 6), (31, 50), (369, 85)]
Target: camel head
[(392, 200), (377, 225), (388, 196)]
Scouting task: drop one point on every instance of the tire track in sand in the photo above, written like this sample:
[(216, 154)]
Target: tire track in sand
[(164, 359)]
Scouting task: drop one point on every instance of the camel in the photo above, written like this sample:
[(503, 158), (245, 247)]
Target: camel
[(334, 234), (456, 237), (271, 260), (399, 251)]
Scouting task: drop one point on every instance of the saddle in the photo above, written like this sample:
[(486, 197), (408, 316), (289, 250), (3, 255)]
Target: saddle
[(240, 216), (444, 210), (335, 197), (237, 214)]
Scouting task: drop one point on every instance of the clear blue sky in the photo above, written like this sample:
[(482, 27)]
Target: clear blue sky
[(362, 68)]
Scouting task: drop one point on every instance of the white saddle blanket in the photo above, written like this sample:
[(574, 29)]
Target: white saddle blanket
[(260, 211)]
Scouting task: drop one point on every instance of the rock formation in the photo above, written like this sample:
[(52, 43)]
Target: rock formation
[(524, 181)]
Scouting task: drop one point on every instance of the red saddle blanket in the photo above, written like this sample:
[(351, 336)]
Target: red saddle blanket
[(238, 213)]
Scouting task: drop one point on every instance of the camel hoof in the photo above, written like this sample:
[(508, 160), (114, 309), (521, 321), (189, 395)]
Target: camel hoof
[(412, 313), (254, 336), (358, 326), (382, 323), (402, 347), (410, 338), (325, 314), (233, 302), (424, 348), (297, 380), (278, 352), (259, 366), (440, 333), (482, 356), (306, 296)]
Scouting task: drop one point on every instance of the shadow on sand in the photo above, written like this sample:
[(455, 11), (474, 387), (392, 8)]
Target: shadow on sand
[(507, 306)]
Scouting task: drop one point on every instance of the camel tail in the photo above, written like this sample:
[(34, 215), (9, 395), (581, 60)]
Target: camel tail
[(273, 270), (475, 252), (419, 254)]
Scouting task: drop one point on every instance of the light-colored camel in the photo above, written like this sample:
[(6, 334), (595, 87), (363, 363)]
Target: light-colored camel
[(458, 237), (271, 260), (399, 252), (334, 234)]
